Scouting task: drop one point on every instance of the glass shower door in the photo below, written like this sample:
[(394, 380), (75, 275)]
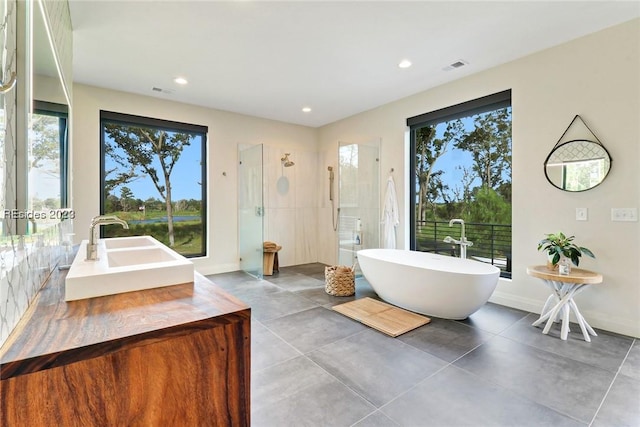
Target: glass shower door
[(359, 206), (250, 209)]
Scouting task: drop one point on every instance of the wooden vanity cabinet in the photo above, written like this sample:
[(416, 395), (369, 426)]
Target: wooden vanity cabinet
[(173, 356)]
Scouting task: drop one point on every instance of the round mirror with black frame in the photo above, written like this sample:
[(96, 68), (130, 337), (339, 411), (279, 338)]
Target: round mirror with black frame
[(577, 165)]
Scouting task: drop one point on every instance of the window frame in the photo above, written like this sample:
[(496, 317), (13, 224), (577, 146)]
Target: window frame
[(464, 109), (169, 126)]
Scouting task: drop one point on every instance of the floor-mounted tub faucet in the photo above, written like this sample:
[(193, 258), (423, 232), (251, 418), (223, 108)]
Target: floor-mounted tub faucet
[(463, 242), (96, 222)]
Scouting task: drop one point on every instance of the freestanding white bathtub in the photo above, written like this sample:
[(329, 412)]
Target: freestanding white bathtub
[(427, 283)]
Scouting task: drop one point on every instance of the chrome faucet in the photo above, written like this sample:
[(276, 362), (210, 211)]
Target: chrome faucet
[(96, 222), (463, 242)]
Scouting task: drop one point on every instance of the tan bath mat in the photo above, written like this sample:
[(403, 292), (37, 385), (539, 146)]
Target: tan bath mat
[(379, 315)]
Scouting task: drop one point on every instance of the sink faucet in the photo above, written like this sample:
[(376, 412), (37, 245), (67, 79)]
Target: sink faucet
[(463, 242), (96, 222)]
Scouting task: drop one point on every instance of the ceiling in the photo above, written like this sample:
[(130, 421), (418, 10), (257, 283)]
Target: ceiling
[(271, 59)]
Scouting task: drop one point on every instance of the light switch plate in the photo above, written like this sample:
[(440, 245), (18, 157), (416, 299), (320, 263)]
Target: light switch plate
[(624, 214), (582, 214)]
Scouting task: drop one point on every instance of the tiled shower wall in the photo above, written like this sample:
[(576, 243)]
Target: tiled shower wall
[(291, 204), (25, 261)]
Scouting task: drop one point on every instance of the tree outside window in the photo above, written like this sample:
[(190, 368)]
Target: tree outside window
[(463, 162)]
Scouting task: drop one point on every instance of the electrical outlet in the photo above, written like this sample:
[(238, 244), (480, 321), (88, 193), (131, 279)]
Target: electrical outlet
[(624, 214), (582, 214)]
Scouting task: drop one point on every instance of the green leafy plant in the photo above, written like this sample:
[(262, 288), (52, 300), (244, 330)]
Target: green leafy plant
[(558, 245)]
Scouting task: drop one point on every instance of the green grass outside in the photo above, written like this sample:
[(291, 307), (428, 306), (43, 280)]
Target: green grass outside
[(139, 216), (187, 234)]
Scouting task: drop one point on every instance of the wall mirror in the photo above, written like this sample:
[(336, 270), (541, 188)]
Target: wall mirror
[(48, 131), (578, 164)]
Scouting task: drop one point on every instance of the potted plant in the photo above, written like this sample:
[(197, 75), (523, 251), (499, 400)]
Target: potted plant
[(559, 246)]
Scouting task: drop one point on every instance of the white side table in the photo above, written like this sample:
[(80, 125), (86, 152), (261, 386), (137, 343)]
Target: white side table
[(564, 287)]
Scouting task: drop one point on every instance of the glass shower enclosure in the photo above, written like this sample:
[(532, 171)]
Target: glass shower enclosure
[(250, 209), (359, 199)]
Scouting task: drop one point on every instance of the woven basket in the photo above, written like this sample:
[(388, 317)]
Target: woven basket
[(340, 281)]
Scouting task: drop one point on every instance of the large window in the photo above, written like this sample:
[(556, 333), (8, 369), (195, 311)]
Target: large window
[(461, 168), (154, 177)]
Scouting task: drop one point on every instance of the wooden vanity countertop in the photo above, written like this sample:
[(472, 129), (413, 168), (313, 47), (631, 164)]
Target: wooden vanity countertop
[(55, 333)]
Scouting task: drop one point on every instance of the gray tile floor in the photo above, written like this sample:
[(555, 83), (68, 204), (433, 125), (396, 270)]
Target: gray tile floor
[(311, 366)]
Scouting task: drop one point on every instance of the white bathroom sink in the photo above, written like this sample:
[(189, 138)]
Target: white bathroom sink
[(138, 256), (125, 264), (129, 242)]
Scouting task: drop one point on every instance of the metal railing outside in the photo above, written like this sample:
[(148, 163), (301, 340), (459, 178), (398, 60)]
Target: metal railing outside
[(491, 242)]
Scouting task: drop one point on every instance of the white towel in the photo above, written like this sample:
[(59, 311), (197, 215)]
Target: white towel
[(390, 217)]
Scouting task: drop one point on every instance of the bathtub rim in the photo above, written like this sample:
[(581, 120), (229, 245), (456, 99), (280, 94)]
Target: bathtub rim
[(489, 268)]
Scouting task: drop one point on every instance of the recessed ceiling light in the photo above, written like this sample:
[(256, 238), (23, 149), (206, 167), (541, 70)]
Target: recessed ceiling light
[(306, 109), (180, 80), (405, 63)]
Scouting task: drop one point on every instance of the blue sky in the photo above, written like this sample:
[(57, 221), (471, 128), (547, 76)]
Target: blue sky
[(184, 179), (453, 157)]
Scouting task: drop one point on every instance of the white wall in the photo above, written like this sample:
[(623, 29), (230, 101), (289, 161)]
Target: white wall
[(226, 132), (596, 76)]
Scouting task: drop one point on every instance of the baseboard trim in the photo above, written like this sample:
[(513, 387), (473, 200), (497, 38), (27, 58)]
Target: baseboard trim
[(605, 321), (217, 269)]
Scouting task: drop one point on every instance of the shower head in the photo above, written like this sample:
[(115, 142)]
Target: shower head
[(286, 162)]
